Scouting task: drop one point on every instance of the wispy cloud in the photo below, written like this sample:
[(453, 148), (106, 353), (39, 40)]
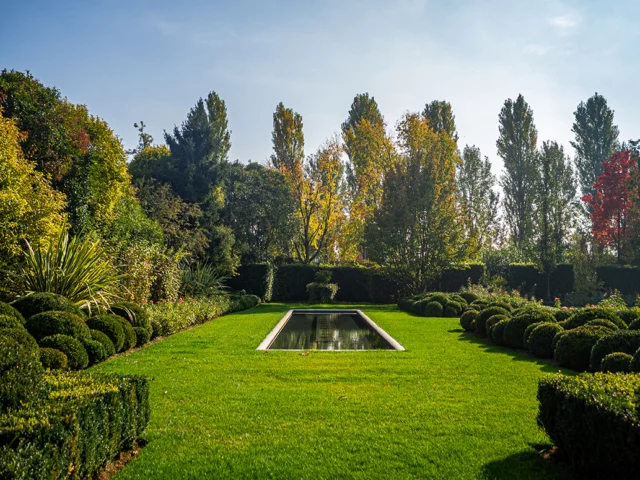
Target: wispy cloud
[(564, 22)]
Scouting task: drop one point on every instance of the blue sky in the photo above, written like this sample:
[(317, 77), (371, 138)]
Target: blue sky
[(152, 60)]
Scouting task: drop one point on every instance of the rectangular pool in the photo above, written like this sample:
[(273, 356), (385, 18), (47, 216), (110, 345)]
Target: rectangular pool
[(302, 329)]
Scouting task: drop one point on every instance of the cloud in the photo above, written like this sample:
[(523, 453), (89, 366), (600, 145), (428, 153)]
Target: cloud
[(565, 22)]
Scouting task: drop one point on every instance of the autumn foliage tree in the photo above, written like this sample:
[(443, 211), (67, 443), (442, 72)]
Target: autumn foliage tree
[(612, 204)]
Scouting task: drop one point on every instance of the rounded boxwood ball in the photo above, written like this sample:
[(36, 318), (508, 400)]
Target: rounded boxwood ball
[(540, 340), (45, 302), (21, 373), (130, 339), (486, 314), (433, 309), (601, 322), (469, 297), (527, 332), (497, 332), (21, 336), (450, 311), (616, 362), (53, 359), (635, 325), (77, 356), (156, 329), (625, 341), (562, 314), (10, 322), (467, 318), (573, 349), (629, 315), (109, 347), (492, 321), (142, 336), (133, 313), (586, 314), (109, 325), (95, 351), (441, 298), (46, 324), (514, 331), (8, 310)]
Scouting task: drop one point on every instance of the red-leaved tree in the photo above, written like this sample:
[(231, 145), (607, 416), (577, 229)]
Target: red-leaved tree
[(612, 204)]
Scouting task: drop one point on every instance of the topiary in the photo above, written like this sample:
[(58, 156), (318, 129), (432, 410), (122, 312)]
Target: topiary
[(111, 327), (451, 311), (21, 336), (601, 322), (21, 373), (485, 315), (573, 350), (458, 299), (52, 323), (457, 306), (433, 309), (586, 314), (469, 297), (557, 338), (635, 325), (441, 298), (625, 341), (507, 306), (514, 331), (562, 314), (535, 315), (497, 332), (10, 322), (490, 323), (95, 351), (635, 363), (53, 359), (467, 318), (156, 329), (630, 315), (133, 313), (130, 338), (77, 356), (45, 302), (527, 332), (109, 347), (540, 341), (142, 336), (480, 304), (9, 311), (616, 362)]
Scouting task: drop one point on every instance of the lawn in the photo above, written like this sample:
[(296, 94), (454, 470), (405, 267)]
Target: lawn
[(452, 406)]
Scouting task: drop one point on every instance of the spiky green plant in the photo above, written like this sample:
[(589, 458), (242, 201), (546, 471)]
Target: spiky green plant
[(202, 279), (77, 268)]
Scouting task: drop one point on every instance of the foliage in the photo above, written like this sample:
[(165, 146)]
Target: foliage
[(620, 341), (573, 349), (51, 323), (111, 327), (95, 351), (20, 371), (497, 332), (142, 335), (9, 311), (30, 305), (10, 322), (133, 313), (616, 362), (513, 335), (167, 274), (467, 318), (433, 309), (171, 317), (485, 314), (130, 339), (322, 292), (53, 359), (440, 116), (584, 315), (107, 344), (540, 339), (288, 140), (493, 321), (74, 350)]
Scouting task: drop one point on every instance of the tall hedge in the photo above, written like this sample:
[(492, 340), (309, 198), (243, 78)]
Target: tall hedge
[(624, 279), (255, 280), (528, 278)]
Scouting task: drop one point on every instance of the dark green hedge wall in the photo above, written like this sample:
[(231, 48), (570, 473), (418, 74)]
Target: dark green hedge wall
[(625, 279), (452, 280), (255, 280), (527, 278)]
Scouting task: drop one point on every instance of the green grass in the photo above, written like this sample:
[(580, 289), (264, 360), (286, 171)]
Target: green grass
[(452, 406)]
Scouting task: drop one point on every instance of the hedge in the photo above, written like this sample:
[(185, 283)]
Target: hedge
[(83, 424), (455, 278), (52, 323), (624, 279), (53, 359), (77, 356), (620, 341), (616, 362), (20, 372), (540, 341), (45, 302), (573, 349), (255, 280), (593, 420), (527, 278), (6, 309)]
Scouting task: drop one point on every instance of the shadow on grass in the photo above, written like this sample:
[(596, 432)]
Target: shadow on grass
[(529, 465)]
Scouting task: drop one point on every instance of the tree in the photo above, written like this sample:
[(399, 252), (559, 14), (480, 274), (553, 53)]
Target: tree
[(30, 209), (441, 118), (611, 205), (595, 140), (479, 201), (556, 190), (418, 229), (288, 141), (517, 148), (145, 140)]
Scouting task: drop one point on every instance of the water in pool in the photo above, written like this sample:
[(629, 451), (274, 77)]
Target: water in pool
[(328, 331)]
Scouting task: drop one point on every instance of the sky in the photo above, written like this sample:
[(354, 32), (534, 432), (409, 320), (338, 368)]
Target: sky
[(152, 60)]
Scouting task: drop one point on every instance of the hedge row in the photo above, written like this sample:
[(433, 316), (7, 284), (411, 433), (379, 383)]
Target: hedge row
[(77, 425), (624, 279), (594, 420)]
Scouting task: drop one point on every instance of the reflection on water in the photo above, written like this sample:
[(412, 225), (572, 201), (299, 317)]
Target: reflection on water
[(328, 331)]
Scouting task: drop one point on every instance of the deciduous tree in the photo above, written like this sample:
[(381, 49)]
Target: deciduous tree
[(441, 118)]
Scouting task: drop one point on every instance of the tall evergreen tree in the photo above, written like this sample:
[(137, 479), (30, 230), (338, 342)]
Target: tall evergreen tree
[(556, 195), (441, 118), (478, 199), (517, 148), (596, 139)]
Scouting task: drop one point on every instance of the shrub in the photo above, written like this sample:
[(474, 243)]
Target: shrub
[(322, 292), (467, 318), (492, 321), (10, 322), (505, 305), (433, 309), (156, 329), (485, 315), (9, 311), (497, 332), (243, 302), (454, 297), (142, 336), (51, 323), (635, 325), (635, 363), (111, 327), (592, 419), (630, 315), (441, 298), (170, 317), (53, 359), (21, 336), (133, 313), (95, 351), (514, 332), (562, 314), (620, 341), (586, 314), (601, 322), (540, 341), (20, 372), (77, 356), (617, 362), (83, 423), (469, 297), (573, 349), (450, 311), (528, 331), (45, 302), (130, 338), (107, 344)]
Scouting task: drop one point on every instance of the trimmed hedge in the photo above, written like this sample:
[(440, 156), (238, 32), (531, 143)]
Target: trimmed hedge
[(513, 335), (492, 321), (455, 278), (257, 279), (20, 372), (142, 336), (467, 318), (8, 310), (21, 336), (573, 349), (624, 279), (322, 292), (593, 420), (540, 341), (617, 362), (586, 314), (527, 278), (601, 322), (620, 341), (497, 332), (10, 322), (53, 323), (630, 315), (109, 347), (635, 362), (95, 351), (110, 326), (77, 356), (132, 313), (45, 302), (53, 359), (433, 309), (84, 423)]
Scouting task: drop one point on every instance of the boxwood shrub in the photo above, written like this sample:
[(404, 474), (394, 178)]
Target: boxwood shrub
[(46, 324), (20, 372), (573, 349), (53, 359), (527, 332), (45, 302), (110, 326), (95, 351), (497, 332), (10, 322), (635, 363), (540, 341), (21, 336), (467, 318), (586, 314), (593, 421), (433, 309), (630, 315), (77, 356), (109, 347), (492, 321), (133, 313), (617, 362), (452, 310), (8, 310), (486, 314), (142, 336), (513, 335), (601, 322), (130, 339), (635, 325), (621, 341), (562, 314), (469, 297)]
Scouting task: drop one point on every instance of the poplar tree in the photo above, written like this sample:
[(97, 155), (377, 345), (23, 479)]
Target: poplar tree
[(441, 118)]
